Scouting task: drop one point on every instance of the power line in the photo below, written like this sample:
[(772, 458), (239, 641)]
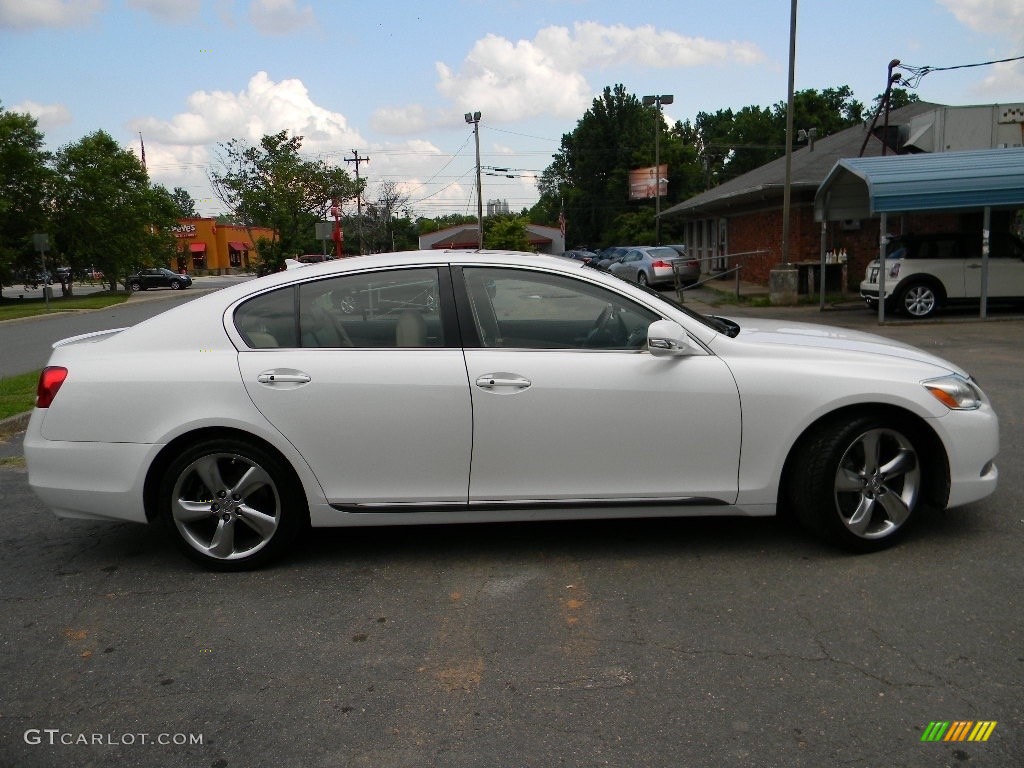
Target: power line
[(918, 73)]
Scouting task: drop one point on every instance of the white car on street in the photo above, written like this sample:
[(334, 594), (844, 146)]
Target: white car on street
[(451, 387)]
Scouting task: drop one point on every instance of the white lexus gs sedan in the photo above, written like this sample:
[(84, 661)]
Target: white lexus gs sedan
[(451, 387)]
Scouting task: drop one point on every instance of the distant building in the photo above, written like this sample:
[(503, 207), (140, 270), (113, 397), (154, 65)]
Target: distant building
[(208, 248), (497, 208), (744, 215)]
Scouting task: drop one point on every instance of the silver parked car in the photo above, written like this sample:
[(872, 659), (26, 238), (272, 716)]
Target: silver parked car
[(646, 265)]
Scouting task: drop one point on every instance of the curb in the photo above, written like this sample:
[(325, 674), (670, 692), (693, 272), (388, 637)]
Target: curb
[(13, 424)]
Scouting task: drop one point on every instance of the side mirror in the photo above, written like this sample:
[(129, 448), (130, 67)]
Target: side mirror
[(668, 339)]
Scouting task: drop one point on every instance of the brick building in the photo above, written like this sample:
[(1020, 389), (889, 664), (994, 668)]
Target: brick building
[(740, 221)]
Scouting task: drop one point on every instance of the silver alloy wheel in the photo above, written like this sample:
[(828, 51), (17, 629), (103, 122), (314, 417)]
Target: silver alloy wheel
[(641, 278), (226, 506), (877, 483), (920, 300), (135, 285)]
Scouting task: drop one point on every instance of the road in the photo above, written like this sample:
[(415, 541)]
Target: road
[(26, 343), (723, 642)]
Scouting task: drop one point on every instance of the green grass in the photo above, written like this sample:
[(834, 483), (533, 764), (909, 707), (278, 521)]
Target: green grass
[(17, 393), (13, 308)]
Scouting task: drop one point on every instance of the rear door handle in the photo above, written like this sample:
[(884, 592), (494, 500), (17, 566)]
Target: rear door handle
[(494, 382)]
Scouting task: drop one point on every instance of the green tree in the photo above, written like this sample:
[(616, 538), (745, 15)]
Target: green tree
[(506, 233), (380, 216), (271, 185), (589, 178), (185, 203), (106, 213), (24, 182)]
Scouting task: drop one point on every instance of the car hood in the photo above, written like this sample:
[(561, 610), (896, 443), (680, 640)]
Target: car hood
[(759, 332)]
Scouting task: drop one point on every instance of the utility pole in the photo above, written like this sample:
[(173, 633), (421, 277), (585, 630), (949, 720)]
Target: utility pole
[(657, 101), (473, 118), (359, 195)]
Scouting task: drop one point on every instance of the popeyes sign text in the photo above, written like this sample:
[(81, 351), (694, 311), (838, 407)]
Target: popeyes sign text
[(184, 230)]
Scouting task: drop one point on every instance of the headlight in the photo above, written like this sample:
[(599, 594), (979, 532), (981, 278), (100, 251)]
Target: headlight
[(954, 392)]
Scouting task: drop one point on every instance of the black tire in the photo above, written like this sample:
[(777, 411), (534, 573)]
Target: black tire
[(252, 513), (175, 285), (641, 279), (921, 299), (857, 482), (135, 285)]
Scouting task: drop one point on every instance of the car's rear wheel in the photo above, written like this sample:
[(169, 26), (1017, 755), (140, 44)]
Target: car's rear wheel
[(859, 482), (230, 504), (920, 299), (641, 279), (135, 285)]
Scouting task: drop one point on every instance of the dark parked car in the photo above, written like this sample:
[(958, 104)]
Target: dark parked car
[(579, 254), (609, 256), (158, 277)]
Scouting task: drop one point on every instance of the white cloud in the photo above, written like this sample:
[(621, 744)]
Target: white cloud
[(49, 116), (279, 17), (1002, 83), (30, 14), (176, 11), (1004, 18), (264, 107), (546, 75)]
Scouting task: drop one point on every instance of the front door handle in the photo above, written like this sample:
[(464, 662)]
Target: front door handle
[(283, 377), (499, 382)]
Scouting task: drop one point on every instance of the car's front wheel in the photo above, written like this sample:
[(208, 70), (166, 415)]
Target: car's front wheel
[(858, 482), (175, 285), (920, 299), (230, 504), (135, 285)]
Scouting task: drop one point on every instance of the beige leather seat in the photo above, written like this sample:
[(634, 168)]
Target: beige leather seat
[(411, 329)]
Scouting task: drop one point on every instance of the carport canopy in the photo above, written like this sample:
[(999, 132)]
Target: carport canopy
[(862, 187)]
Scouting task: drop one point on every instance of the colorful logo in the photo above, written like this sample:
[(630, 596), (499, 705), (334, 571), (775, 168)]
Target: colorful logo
[(958, 730)]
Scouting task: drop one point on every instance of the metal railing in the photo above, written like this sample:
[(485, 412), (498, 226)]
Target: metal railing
[(681, 287)]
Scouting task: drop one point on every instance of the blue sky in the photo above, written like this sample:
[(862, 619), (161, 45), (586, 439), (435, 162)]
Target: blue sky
[(394, 79)]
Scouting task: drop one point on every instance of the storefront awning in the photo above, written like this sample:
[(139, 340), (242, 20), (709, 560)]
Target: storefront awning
[(197, 247), (235, 245)]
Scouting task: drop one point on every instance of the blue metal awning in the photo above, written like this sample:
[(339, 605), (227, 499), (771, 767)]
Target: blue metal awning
[(860, 188)]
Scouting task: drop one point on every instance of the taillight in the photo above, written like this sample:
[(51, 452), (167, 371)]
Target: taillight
[(661, 264), (894, 270), (49, 383)]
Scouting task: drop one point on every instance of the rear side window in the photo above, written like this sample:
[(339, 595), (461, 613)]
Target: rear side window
[(269, 320), (395, 308)]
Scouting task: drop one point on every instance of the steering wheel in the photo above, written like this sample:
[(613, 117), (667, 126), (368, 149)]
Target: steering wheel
[(603, 334)]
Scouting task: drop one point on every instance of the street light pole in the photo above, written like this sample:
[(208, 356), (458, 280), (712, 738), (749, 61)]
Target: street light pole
[(473, 118), (658, 100)]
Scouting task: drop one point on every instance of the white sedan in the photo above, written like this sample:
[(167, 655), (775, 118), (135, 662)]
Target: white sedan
[(448, 387)]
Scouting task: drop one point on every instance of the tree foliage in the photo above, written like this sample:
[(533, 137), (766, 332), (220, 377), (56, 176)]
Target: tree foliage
[(588, 178), (271, 185), (24, 181), (506, 233), (105, 212)]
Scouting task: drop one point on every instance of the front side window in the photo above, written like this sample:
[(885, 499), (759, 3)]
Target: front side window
[(534, 310), (397, 308)]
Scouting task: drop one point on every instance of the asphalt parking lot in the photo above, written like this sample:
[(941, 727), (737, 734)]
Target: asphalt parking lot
[(724, 642)]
